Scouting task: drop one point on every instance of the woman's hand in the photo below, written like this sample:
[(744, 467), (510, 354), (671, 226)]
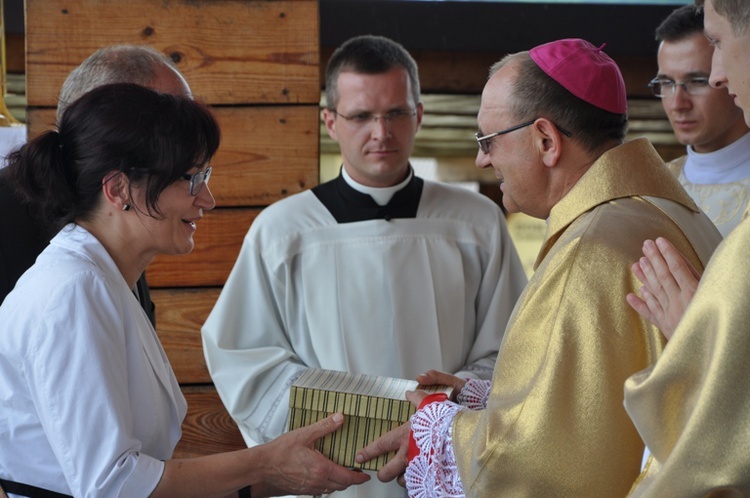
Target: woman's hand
[(291, 464)]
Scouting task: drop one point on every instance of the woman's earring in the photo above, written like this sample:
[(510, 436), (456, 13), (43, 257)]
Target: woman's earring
[(126, 207)]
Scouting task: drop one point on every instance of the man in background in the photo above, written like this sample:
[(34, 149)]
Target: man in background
[(376, 272), (24, 234), (715, 171)]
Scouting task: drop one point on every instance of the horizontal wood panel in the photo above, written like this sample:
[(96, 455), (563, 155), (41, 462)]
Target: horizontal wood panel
[(208, 428), (231, 51), (267, 152), (217, 244), (180, 314)]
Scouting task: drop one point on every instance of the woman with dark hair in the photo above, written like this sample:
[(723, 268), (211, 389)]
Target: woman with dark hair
[(90, 405)]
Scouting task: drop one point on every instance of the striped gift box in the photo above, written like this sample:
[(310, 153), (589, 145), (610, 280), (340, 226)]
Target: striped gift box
[(372, 405)]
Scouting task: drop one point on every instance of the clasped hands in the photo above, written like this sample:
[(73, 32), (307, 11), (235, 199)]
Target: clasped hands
[(398, 439), (669, 284)]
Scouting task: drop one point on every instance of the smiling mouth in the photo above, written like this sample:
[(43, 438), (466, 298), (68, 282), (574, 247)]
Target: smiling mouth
[(191, 223)]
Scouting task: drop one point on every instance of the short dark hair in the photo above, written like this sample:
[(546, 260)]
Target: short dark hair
[(680, 23), (536, 95), (368, 54), (153, 138)]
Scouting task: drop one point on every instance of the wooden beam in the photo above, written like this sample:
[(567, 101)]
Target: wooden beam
[(180, 314), (217, 244), (231, 51), (207, 428), (473, 26), (15, 55), (452, 72)]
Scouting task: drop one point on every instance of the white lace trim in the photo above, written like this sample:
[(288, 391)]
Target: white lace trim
[(433, 473), (474, 394)]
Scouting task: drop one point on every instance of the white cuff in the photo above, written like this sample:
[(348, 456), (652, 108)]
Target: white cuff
[(474, 394), (433, 473)]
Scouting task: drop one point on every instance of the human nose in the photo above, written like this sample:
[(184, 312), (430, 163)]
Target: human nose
[(381, 126), (482, 160), (717, 78), (679, 98), (205, 199)]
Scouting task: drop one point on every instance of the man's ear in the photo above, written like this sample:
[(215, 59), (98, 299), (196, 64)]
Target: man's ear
[(116, 190), (329, 118), (549, 141), (420, 114)]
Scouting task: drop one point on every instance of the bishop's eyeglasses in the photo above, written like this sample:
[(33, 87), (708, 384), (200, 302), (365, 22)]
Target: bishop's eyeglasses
[(484, 141)]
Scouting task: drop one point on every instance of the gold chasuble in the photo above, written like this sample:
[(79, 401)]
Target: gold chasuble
[(693, 407), (555, 424)]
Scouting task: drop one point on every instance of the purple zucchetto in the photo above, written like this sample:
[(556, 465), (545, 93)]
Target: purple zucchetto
[(585, 71)]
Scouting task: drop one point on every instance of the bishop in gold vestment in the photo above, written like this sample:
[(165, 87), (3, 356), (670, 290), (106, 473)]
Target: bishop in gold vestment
[(555, 424), (693, 407)]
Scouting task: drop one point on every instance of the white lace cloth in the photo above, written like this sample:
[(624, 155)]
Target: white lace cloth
[(433, 473), (474, 394)]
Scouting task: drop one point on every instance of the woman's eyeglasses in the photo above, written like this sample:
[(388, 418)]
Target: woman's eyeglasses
[(197, 180)]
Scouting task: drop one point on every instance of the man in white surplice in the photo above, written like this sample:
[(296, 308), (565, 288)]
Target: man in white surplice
[(715, 169), (377, 271)]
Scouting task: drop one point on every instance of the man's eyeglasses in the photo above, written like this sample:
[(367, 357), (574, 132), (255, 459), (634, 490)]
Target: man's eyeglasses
[(362, 119), (484, 141), (663, 87), (197, 180)]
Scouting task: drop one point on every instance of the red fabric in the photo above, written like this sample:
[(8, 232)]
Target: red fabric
[(430, 398)]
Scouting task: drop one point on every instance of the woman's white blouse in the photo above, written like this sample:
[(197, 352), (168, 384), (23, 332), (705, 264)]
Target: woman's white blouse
[(90, 405)]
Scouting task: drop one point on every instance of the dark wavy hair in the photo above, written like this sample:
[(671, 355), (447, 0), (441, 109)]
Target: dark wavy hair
[(153, 138)]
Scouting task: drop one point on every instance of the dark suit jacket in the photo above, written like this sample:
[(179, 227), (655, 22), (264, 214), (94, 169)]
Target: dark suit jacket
[(22, 239)]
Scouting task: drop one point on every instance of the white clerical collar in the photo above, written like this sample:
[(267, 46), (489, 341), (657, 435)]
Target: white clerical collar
[(381, 195), (730, 164)]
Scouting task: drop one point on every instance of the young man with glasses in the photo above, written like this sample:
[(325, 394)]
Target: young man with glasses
[(715, 171), (551, 422), (375, 272)]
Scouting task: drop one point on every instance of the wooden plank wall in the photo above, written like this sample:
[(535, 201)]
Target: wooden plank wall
[(257, 63)]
